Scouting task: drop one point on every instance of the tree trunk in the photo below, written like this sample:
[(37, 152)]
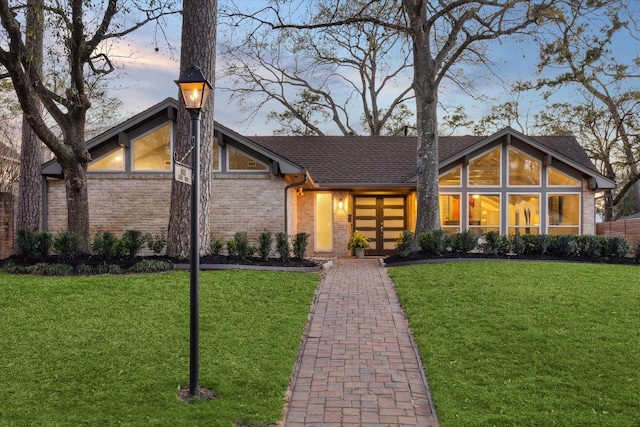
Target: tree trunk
[(30, 185), (426, 92), (198, 49)]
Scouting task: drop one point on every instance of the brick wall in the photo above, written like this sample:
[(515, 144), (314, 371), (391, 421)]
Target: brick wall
[(6, 225), (588, 209), (628, 228)]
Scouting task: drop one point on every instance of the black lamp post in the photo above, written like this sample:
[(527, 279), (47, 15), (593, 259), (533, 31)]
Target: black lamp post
[(195, 89)]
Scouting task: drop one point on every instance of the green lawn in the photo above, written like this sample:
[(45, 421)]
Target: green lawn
[(527, 344), (113, 350)]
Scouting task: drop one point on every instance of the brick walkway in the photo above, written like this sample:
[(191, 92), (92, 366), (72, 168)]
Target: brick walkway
[(358, 366)]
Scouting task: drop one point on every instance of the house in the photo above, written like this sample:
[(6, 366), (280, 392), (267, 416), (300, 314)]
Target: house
[(328, 186)]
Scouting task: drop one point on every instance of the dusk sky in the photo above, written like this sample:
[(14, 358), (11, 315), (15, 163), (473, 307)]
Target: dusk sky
[(149, 76)]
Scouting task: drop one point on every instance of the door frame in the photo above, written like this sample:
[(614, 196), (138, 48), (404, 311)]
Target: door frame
[(378, 244)]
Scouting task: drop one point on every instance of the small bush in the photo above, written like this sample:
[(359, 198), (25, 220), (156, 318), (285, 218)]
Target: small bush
[(216, 246), (33, 245), (435, 242), (151, 266), (244, 249), (156, 243), (264, 245), (67, 245), (232, 247), (107, 245), (300, 245), (464, 241), (564, 245), (496, 244), (45, 269), (404, 243), (133, 241), (518, 244), (617, 247), (282, 246), (84, 270)]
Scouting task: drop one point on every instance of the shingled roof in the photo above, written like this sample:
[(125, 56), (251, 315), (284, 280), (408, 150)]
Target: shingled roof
[(392, 160)]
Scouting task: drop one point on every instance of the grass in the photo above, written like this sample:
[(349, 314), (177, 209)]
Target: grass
[(107, 350), (527, 344)]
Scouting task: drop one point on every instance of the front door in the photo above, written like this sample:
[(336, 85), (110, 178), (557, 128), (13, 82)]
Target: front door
[(382, 219)]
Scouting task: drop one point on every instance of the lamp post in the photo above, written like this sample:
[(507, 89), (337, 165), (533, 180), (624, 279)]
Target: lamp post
[(195, 90)]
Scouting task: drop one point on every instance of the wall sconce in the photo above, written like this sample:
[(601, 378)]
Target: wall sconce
[(340, 204)]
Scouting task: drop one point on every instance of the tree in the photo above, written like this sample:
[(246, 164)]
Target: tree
[(579, 46), (198, 49), (319, 76), (77, 30), (31, 158)]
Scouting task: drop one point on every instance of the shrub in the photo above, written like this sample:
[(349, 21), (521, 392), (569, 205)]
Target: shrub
[(617, 247), (107, 245), (404, 243), (464, 241), (590, 246), (264, 244), (216, 246), (67, 245), (84, 270), (156, 243), (282, 246), (151, 266), (435, 242), (563, 245), (34, 245), (518, 244), (133, 241), (636, 253), (244, 249), (45, 269), (496, 244), (300, 245), (232, 248)]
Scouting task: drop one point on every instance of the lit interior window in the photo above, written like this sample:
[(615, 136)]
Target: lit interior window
[(450, 212), (484, 213), (451, 178), (563, 213), (112, 161), (152, 152), (485, 169), (523, 169), (524, 214), (238, 161), (561, 179)]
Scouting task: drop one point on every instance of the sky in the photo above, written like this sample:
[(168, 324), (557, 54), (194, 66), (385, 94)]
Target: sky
[(149, 73)]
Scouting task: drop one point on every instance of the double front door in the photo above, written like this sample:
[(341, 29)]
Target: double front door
[(382, 219)]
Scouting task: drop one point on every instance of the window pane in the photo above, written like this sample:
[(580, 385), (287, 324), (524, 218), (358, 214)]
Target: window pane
[(558, 178), (238, 161), (324, 221), (216, 155), (449, 210), (524, 213), (451, 178), (151, 152), (485, 170), (564, 210), (523, 169), (112, 161), (484, 213)]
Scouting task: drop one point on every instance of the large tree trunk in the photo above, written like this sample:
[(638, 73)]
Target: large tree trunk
[(30, 185), (198, 49), (426, 91)]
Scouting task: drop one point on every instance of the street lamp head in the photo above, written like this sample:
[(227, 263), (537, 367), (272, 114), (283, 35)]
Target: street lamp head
[(195, 88)]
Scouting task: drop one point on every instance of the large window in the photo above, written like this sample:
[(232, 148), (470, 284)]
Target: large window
[(112, 161), (240, 162), (451, 178), (324, 221), (450, 213), (563, 213), (152, 151), (560, 179), (484, 170), (484, 213), (523, 169), (524, 214)]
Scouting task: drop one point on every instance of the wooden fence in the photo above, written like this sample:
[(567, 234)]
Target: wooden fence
[(629, 228)]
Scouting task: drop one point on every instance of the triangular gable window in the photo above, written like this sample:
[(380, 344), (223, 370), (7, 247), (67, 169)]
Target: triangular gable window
[(241, 162), (558, 178), (113, 161), (523, 169), (451, 178), (485, 169)]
